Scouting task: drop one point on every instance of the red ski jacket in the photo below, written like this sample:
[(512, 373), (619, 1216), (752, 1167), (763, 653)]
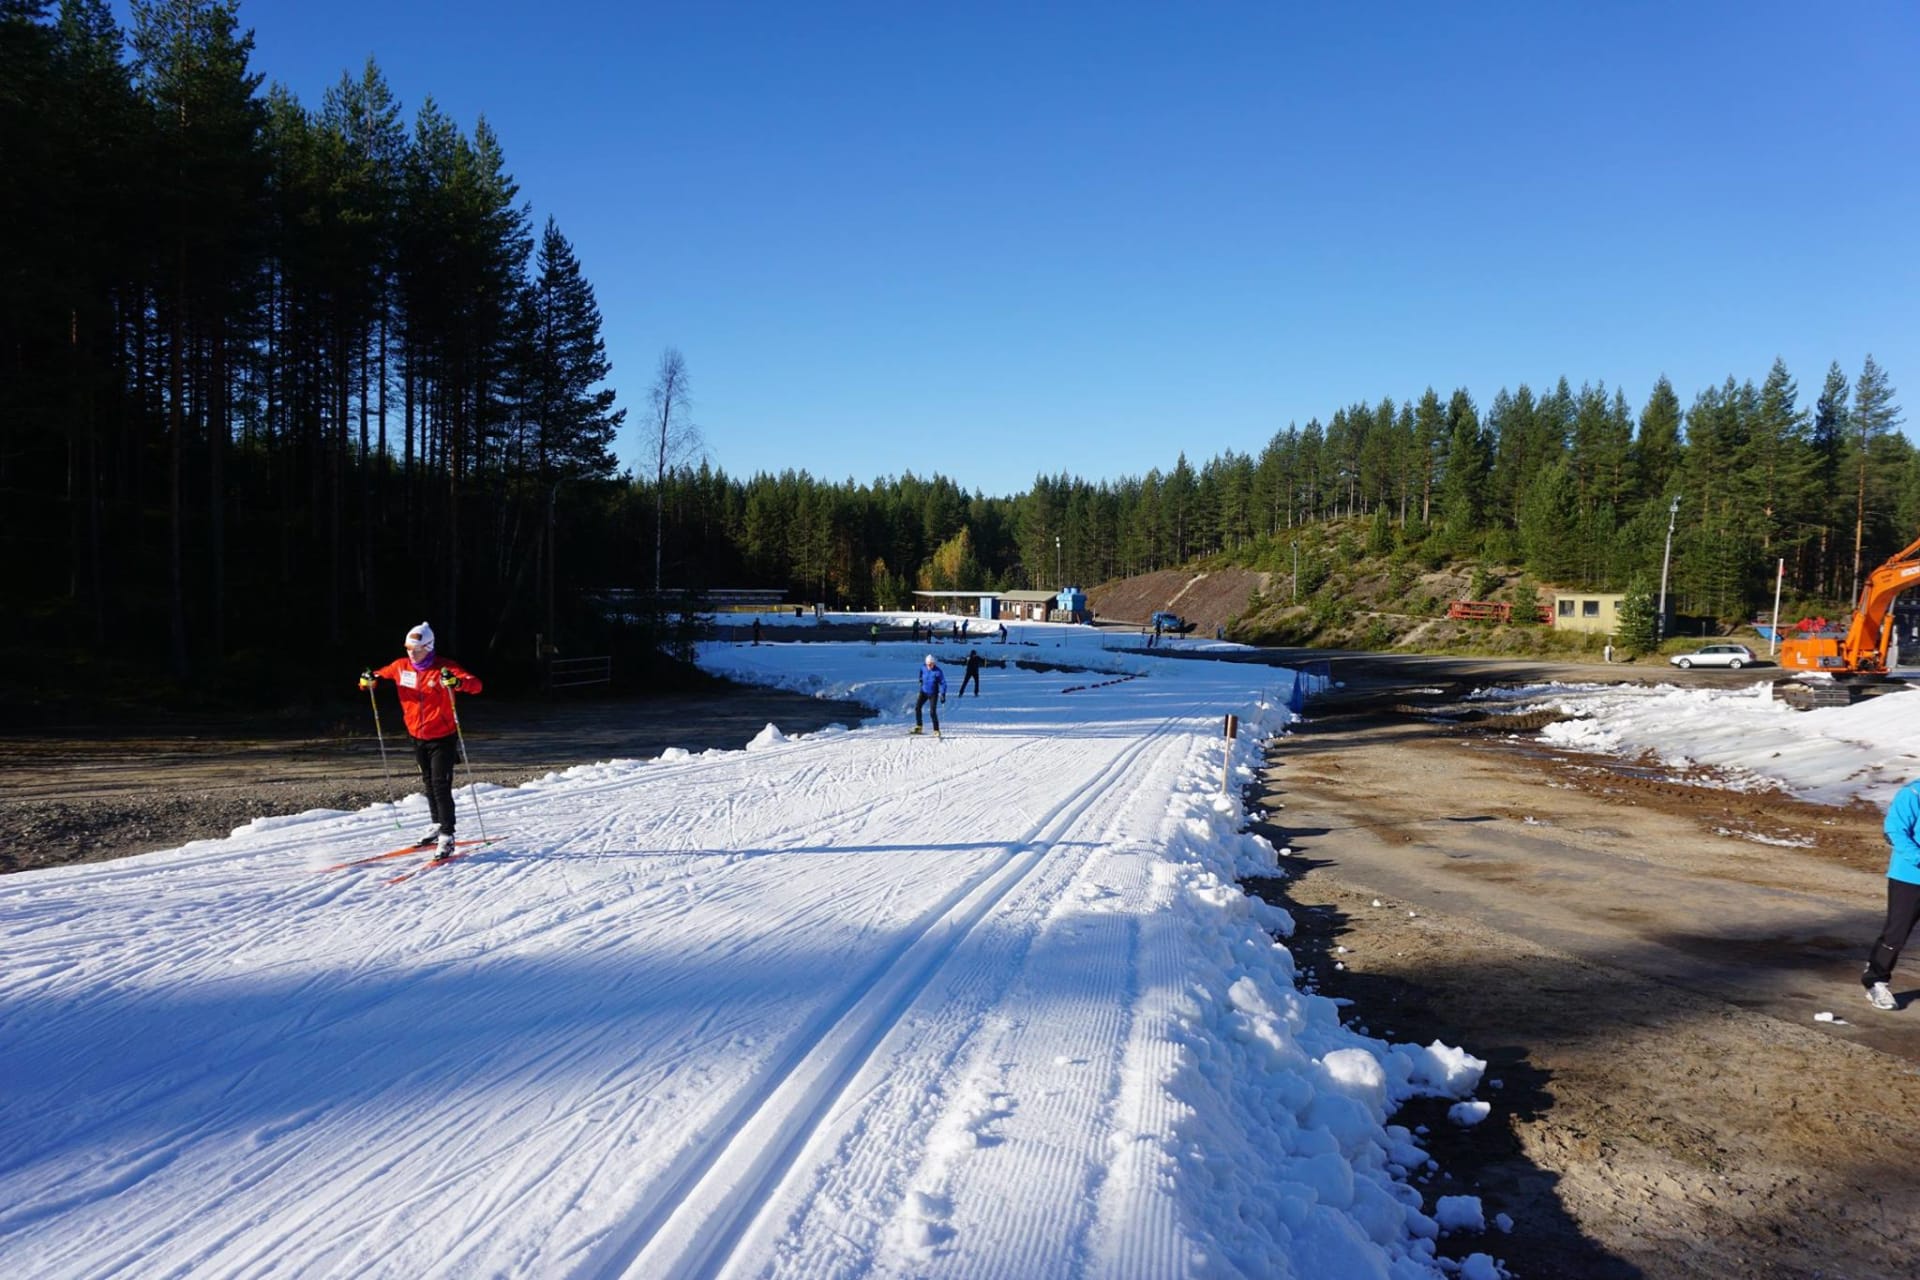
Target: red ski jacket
[(424, 701)]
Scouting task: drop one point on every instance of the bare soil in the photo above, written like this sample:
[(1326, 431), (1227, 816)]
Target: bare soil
[(1641, 961), (1207, 600)]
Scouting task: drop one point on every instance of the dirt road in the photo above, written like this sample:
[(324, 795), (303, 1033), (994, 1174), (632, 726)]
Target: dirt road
[(1643, 976)]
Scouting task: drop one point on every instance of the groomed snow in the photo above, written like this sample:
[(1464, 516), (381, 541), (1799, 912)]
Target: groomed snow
[(843, 1004)]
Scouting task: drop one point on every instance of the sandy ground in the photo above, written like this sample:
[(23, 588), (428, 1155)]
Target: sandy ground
[(1642, 975)]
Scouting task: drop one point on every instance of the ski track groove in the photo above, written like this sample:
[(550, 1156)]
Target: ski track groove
[(865, 1181), (723, 1214)]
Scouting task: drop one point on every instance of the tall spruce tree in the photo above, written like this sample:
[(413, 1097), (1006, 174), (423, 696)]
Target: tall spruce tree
[(191, 66), (1877, 455), (1657, 446), (1463, 486)]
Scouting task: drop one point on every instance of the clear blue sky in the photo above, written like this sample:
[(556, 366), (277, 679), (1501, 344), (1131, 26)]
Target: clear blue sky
[(997, 240)]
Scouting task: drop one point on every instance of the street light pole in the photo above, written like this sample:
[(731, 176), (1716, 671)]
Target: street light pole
[(1660, 619), (1058, 575)]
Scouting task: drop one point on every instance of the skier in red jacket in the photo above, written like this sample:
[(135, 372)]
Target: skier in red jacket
[(426, 684)]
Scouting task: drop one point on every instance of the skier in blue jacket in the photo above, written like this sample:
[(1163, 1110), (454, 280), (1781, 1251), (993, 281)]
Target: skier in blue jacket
[(1903, 895), (933, 692)]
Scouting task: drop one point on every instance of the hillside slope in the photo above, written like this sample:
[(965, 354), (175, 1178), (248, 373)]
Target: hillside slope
[(1208, 599), (1345, 597)]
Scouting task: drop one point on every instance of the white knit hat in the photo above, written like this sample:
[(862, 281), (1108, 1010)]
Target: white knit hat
[(421, 635), (929, 659)]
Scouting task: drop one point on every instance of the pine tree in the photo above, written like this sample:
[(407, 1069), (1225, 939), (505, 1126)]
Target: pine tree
[(1430, 449), (1463, 486), (1638, 633), (1876, 456), (570, 413), (191, 68), (1657, 447), (1550, 524)]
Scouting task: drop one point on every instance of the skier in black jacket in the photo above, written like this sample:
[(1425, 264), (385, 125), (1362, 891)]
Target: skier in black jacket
[(973, 674)]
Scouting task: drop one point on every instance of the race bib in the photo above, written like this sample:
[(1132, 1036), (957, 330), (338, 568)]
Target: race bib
[(409, 679)]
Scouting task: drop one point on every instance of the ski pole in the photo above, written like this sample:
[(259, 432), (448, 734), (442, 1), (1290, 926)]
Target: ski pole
[(472, 790), (381, 738)]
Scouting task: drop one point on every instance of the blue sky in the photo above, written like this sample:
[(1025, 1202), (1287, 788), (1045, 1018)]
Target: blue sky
[(999, 240)]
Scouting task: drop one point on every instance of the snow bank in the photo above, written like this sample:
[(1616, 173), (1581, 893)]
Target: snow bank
[(1830, 756)]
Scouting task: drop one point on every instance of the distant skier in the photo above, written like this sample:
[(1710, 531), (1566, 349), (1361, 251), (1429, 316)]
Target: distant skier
[(1003, 633), (933, 692), (973, 674), (1903, 896), (426, 684), (756, 631)]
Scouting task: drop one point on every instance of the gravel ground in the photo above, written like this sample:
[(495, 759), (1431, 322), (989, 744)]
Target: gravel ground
[(1643, 978)]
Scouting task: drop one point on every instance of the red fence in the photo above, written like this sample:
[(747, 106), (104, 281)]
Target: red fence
[(1492, 611)]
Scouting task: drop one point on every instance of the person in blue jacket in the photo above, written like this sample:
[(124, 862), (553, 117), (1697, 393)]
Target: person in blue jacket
[(933, 692), (1903, 895)]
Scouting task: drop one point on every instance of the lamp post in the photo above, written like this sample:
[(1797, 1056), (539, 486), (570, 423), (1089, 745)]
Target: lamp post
[(1660, 619), (1059, 577)]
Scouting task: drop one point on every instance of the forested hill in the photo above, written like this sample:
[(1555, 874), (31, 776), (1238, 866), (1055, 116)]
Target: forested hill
[(275, 373)]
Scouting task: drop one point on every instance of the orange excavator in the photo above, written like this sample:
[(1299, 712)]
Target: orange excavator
[(1863, 650)]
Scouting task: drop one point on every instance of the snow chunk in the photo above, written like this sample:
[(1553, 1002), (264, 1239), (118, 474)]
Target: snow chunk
[(1441, 1070), (767, 737), (1459, 1213), (1468, 1114)]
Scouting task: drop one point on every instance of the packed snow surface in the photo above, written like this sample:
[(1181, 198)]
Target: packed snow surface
[(843, 1004), (851, 1003)]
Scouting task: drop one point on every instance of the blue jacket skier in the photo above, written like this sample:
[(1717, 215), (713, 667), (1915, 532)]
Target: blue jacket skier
[(1903, 895), (933, 692)]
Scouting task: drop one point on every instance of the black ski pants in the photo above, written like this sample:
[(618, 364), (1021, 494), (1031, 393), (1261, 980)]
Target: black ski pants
[(974, 676), (931, 701), (1903, 912), (436, 757)]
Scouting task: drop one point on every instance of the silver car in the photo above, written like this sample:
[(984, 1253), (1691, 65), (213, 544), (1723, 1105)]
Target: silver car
[(1715, 655)]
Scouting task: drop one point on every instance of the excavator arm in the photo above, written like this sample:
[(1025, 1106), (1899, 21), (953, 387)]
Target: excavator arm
[(1865, 648)]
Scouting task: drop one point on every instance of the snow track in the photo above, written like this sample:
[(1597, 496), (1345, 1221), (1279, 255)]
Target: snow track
[(699, 1226), (857, 1004)]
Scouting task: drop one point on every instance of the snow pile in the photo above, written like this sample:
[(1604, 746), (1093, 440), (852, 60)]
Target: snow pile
[(767, 737), (1829, 756)]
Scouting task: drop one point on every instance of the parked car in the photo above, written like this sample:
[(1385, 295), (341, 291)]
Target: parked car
[(1715, 655), (1169, 622)]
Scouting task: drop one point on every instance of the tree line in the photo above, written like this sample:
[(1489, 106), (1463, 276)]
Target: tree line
[(1573, 486), (273, 373)]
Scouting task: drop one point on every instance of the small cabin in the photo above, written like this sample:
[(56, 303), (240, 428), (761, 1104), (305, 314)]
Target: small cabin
[(1596, 611)]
